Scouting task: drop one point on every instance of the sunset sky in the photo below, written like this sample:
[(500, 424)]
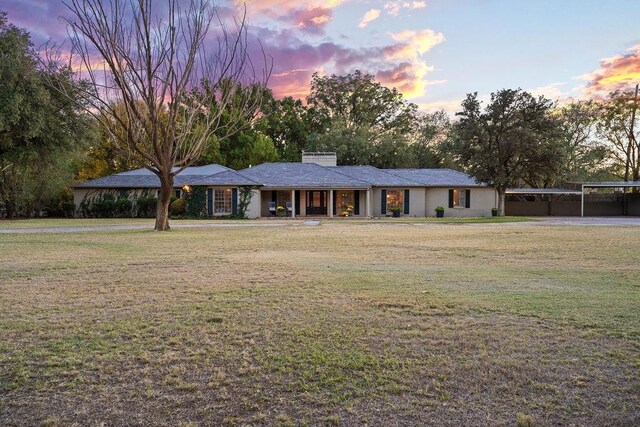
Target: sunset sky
[(433, 51)]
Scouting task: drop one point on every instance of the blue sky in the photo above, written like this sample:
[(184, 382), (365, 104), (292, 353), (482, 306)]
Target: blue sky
[(434, 51)]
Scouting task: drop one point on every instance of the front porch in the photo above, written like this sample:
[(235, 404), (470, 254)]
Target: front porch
[(316, 203)]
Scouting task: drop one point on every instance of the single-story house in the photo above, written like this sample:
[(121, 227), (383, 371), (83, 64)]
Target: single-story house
[(315, 187)]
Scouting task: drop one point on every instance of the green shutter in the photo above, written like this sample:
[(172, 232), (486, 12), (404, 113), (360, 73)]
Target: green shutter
[(450, 198), (467, 199), (234, 201), (383, 202), (406, 202)]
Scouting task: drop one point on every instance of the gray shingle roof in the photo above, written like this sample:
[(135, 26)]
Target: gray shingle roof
[(191, 170), (375, 177), (300, 175), (437, 177), (144, 178), (229, 177)]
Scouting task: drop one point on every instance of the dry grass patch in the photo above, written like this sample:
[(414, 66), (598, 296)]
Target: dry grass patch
[(345, 323)]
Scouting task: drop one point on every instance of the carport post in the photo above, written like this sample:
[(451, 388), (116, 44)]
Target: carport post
[(293, 203), (582, 202)]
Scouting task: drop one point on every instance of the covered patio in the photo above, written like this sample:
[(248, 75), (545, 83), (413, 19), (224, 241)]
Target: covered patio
[(344, 202)]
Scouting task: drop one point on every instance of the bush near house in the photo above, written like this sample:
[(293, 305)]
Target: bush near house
[(178, 207)]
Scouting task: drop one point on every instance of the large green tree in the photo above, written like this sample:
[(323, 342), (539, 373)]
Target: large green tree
[(362, 120), (515, 138), (39, 128), (619, 126), (289, 123), (586, 155)]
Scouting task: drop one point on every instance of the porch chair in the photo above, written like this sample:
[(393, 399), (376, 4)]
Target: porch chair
[(288, 207), (272, 208)]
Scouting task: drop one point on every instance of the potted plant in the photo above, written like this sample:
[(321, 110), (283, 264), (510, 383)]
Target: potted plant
[(395, 211), (439, 212), (280, 211), (494, 211)]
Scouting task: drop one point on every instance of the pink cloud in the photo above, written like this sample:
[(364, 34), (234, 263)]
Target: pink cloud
[(369, 17), (310, 20), (621, 72)]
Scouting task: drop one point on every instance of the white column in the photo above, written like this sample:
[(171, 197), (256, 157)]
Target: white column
[(582, 202), (293, 203), (367, 208), (330, 208)]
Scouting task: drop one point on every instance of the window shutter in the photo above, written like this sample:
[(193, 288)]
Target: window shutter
[(274, 196), (467, 199), (210, 201), (234, 201), (356, 202), (297, 204), (335, 200), (450, 198), (406, 201), (383, 202)]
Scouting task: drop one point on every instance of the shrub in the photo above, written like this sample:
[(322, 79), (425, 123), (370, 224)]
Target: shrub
[(123, 208), (147, 207), (178, 207), (103, 209)]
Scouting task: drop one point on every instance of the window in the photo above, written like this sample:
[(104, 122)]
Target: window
[(222, 200), (394, 198), (460, 198), (178, 193)]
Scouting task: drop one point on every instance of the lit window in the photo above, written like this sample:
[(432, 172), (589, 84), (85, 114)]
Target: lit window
[(395, 198), (459, 198), (222, 200)]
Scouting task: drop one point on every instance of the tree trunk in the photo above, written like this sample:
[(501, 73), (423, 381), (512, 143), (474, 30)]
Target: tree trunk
[(501, 192), (164, 200)]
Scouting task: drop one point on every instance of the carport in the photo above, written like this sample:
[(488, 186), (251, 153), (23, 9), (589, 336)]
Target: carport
[(620, 202), (543, 202)]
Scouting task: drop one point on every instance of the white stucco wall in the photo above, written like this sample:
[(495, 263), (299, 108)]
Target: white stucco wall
[(253, 210)]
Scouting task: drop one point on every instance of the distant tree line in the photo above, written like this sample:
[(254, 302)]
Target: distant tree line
[(48, 141)]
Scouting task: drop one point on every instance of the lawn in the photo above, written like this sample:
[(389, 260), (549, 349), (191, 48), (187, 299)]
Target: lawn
[(346, 323)]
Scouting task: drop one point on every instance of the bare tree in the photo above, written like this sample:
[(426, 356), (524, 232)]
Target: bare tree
[(161, 77)]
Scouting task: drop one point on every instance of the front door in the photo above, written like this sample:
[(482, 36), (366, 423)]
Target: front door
[(316, 203)]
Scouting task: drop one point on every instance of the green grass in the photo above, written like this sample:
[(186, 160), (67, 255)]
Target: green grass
[(352, 322)]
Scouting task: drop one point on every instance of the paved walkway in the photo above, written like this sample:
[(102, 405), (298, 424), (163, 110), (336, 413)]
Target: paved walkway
[(599, 221), (542, 221)]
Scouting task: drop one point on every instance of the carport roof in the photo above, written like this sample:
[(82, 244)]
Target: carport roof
[(301, 175), (612, 184), (542, 191)]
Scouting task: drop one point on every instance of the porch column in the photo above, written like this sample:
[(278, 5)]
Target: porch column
[(330, 207), (367, 196), (293, 203)]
